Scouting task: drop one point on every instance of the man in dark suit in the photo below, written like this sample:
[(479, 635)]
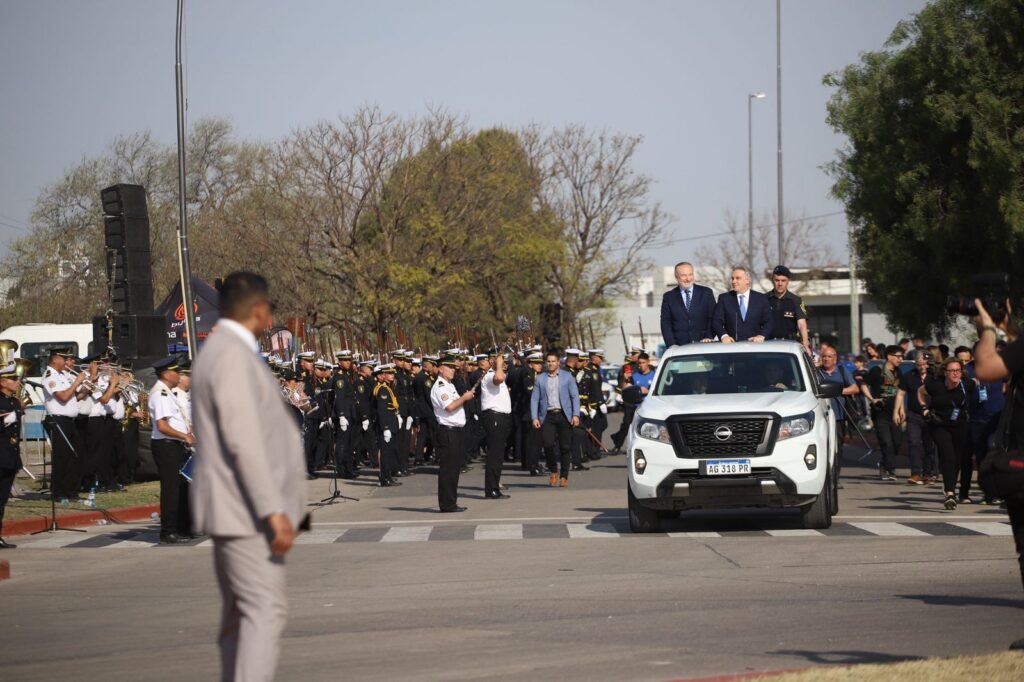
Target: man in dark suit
[(686, 311), (742, 314)]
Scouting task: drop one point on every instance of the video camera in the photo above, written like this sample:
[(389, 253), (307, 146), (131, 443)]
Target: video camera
[(993, 290)]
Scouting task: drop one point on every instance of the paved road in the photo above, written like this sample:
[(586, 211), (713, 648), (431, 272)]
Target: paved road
[(546, 584)]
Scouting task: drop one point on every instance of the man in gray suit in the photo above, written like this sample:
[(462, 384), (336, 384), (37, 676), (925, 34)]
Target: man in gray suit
[(248, 490)]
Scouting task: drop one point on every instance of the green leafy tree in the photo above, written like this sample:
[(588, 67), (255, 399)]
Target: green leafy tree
[(932, 175)]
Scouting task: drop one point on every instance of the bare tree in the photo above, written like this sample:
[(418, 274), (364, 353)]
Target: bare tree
[(607, 216), (803, 246)]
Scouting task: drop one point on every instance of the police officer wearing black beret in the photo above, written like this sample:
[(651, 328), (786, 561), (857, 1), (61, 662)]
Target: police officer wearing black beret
[(788, 312), (10, 439)]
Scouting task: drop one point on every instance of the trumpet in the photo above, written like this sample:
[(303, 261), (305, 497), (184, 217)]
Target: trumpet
[(297, 399), (87, 383)]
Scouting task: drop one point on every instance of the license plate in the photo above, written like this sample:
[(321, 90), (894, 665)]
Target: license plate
[(726, 467)]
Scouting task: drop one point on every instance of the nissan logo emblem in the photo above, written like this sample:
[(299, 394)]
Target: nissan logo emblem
[(723, 433)]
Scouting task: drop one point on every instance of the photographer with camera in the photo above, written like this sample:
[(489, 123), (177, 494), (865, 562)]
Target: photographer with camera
[(1004, 466), (944, 400)]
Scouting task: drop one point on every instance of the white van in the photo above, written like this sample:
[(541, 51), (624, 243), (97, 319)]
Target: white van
[(35, 341)]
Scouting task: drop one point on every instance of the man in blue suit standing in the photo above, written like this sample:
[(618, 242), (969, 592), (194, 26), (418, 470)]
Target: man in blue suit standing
[(742, 314), (686, 311), (555, 409)]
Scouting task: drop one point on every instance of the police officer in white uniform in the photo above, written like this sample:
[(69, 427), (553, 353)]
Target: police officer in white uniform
[(451, 419), (496, 417), (171, 438), (60, 394)]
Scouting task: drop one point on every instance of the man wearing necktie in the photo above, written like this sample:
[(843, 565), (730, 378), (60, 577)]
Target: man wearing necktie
[(686, 310), (742, 314)]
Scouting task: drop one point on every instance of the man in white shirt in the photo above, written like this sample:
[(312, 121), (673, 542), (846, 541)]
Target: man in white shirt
[(60, 394), (99, 445), (496, 416), (451, 419), (169, 442)]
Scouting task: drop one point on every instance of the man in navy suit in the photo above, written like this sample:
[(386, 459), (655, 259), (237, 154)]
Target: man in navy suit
[(742, 314), (686, 310)]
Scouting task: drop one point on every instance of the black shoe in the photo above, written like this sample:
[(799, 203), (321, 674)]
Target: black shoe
[(390, 483), (1017, 645), (950, 502), (580, 467), (453, 510), (311, 476), (349, 477), (496, 495), (196, 536), (594, 457), (537, 471), (172, 539), (6, 545), (464, 470)]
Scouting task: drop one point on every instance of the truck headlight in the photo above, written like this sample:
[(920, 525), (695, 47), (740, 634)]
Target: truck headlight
[(791, 427), (652, 429)]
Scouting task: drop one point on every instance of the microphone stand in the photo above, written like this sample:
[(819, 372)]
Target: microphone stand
[(54, 526)]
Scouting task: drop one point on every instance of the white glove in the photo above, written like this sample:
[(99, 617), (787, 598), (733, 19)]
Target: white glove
[(408, 423), (592, 412), (387, 435), (476, 417), (9, 419), (603, 408), (365, 424), (343, 423)]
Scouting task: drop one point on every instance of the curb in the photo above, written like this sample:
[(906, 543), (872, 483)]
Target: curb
[(76, 519)]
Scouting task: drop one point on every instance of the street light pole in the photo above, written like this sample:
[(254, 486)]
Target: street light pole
[(750, 176), (778, 105)]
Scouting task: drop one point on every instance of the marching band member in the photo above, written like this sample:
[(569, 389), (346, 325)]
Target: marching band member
[(170, 436), (10, 438)]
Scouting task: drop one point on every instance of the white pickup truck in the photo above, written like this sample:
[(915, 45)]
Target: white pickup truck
[(733, 425)]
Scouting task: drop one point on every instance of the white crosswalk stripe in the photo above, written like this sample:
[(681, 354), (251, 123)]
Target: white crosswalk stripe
[(993, 528), (592, 530), (499, 531), (319, 536), (407, 534), (795, 533), (893, 530), (696, 534)]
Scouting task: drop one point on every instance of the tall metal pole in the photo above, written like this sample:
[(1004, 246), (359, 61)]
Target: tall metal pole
[(750, 176), (184, 264), (750, 182), (778, 104), (854, 297)]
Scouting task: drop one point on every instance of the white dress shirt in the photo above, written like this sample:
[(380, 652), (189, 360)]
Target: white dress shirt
[(443, 394)]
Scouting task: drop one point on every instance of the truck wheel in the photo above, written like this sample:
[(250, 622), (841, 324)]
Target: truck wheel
[(818, 514), (641, 519)]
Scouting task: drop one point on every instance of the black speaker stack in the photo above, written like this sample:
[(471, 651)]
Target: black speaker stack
[(551, 325), (135, 333)]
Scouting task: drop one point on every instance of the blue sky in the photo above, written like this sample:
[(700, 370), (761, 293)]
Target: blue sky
[(74, 75)]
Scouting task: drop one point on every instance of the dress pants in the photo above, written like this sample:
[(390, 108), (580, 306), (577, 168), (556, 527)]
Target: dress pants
[(129, 453), (388, 463), (255, 606), (450, 452), (619, 437), (343, 456), (98, 469), (6, 483), (65, 477), (497, 426), (170, 456), (558, 432), (403, 443), (309, 440), (116, 439)]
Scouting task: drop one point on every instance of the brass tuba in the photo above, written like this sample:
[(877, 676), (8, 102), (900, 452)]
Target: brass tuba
[(21, 368), (7, 348)]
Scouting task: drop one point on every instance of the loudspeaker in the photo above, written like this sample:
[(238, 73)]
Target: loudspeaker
[(551, 324), (129, 296), (125, 232), (127, 200), (99, 332), (128, 264), (140, 336)]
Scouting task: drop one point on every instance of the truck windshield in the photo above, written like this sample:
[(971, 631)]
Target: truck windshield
[(725, 373)]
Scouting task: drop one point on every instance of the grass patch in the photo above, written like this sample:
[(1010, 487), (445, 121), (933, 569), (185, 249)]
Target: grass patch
[(1003, 667), (34, 503)]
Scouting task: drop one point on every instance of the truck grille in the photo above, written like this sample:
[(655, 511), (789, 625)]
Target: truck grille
[(745, 437)]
